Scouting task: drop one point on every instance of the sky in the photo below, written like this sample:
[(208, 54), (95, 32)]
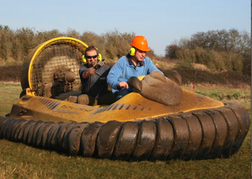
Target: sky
[(162, 22)]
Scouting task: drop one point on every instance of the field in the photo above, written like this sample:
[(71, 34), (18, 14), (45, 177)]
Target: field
[(21, 161)]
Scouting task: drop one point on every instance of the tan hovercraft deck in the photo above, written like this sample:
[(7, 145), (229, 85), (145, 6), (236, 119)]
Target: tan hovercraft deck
[(130, 108)]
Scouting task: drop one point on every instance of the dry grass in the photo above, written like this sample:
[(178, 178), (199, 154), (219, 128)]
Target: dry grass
[(202, 67)]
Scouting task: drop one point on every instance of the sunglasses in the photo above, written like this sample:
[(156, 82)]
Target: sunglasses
[(89, 57)]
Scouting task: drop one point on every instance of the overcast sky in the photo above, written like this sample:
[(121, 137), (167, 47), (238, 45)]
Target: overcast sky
[(162, 22)]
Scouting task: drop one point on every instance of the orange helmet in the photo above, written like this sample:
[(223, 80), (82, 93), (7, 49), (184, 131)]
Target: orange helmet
[(140, 43)]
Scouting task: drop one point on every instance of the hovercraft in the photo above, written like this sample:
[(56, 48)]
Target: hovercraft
[(160, 121)]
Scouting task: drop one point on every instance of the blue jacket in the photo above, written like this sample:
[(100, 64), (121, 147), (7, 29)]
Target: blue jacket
[(123, 69)]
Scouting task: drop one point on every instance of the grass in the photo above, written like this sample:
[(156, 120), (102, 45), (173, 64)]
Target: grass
[(242, 97), (9, 95), (18, 160)]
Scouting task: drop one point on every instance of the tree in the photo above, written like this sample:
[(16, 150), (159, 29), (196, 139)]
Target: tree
[(222, 40), (170, 51), (25, 37), (5, 42)]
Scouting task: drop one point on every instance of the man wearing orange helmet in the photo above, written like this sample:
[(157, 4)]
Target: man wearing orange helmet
[(135, 63)]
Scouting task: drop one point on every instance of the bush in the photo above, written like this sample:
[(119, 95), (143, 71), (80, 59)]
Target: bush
[(237, 62), (117, 44), (10, 73), (187, 54), (218, 50), (184, 64), (171, 51), (247, 65)]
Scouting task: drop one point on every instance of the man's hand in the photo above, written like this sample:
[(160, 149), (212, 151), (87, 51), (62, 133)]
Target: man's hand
[(122, 84), (99, 64), (90, 71)]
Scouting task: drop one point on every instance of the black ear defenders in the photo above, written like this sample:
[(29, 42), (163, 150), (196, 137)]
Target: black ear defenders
[(132, 51), (99, 56)]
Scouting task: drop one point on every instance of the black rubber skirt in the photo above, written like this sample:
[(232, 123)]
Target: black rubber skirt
[(201, 134)]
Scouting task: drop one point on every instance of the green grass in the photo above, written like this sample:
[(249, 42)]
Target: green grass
[(240, 96), (21, 161), (9, 95)]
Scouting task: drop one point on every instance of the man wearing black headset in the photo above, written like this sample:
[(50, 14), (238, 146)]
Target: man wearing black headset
[(93, 75)]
